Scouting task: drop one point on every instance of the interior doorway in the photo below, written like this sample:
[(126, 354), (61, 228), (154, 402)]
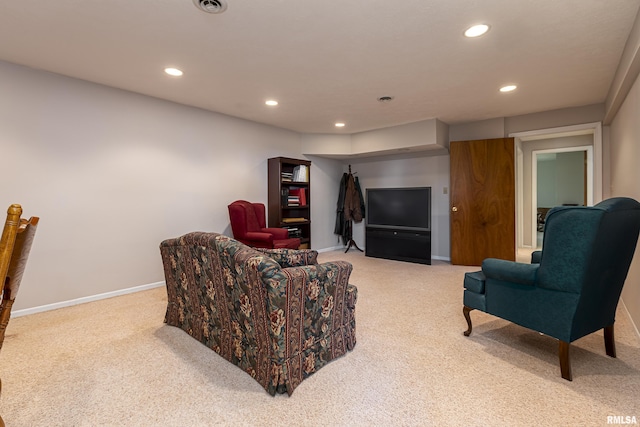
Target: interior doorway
[(529, 145), (560, 177)]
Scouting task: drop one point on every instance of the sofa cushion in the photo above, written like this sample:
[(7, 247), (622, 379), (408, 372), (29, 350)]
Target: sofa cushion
[(291, 258)]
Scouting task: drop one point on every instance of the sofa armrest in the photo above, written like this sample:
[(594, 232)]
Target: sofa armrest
[(509, 271), (258, 236), (305, 305), (292, 257)]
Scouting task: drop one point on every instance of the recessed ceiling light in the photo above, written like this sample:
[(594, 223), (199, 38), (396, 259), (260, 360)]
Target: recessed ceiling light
[(173, 72), (476, 30), (339, 125), (508, 88), (271, 102)]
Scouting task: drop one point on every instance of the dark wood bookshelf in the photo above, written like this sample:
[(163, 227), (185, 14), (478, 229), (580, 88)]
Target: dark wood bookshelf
[(282, 212)]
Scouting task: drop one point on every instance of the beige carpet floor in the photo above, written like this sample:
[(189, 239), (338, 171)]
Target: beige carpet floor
[(114, 363)]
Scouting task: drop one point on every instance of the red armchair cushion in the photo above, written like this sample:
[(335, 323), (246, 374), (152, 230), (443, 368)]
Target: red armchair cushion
[(248, 224)]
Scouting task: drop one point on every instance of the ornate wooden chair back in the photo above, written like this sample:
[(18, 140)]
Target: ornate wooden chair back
[(15, 245)]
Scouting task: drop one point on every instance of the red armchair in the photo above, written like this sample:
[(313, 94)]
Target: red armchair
[(248, 224)]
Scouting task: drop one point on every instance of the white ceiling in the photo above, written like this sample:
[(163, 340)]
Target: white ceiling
[(328, 61)]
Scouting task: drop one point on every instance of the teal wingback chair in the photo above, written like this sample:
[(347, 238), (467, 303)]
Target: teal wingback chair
[(573, 285)]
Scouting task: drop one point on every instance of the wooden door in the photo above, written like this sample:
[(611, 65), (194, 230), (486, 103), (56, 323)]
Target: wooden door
[(482, 198)]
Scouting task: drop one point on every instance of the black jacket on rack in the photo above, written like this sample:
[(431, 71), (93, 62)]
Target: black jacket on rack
[(350, 206)]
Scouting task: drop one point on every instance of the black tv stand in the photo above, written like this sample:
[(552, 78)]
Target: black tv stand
[(398, 244)]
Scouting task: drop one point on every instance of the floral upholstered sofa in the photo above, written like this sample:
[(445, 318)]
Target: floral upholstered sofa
[(275, 313)]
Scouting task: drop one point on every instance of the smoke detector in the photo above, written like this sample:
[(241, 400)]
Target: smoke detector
[(211, 6)]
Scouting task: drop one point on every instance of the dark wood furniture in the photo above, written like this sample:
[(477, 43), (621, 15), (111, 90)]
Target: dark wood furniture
[(15, 245), (398, 244), (289, 197)]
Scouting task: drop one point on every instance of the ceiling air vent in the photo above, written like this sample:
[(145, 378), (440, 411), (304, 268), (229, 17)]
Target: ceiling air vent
[(211, 6)]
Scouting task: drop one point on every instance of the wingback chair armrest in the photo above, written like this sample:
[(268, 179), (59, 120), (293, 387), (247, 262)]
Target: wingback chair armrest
[(292, 257), (536, 256), (278, 233), (509, 271), (258, 236)]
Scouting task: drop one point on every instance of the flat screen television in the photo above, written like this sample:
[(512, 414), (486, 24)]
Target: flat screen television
[(402, 208)]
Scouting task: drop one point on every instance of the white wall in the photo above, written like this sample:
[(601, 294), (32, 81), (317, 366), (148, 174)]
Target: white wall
[(625, 180), (570, 173), (410, 135), (554, 118), (547, 183), (325, 187), (427, 135), (561, 179), (483, 129), (326, 144), (111, 174)]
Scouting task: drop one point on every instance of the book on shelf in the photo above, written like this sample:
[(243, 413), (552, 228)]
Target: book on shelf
[(293, 220), (301, 173), (298, 196), (294, 231), (287, 176)]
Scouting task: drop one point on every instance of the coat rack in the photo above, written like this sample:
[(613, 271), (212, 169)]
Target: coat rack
[(351, 241), (349, 226)]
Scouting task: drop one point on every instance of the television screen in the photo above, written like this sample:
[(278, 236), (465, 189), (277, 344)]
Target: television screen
[(399, 207)]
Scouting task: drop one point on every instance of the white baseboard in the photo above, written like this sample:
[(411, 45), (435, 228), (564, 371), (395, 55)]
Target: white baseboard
[(83, 300), (341, 247), (333, 248), (635, 327)]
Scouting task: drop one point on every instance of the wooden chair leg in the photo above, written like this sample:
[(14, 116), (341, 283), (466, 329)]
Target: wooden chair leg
[(609, 342), (565, 362), (465, 311)]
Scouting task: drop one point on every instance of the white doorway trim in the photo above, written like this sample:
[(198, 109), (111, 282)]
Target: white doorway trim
[(594, 129), (534, 179)]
